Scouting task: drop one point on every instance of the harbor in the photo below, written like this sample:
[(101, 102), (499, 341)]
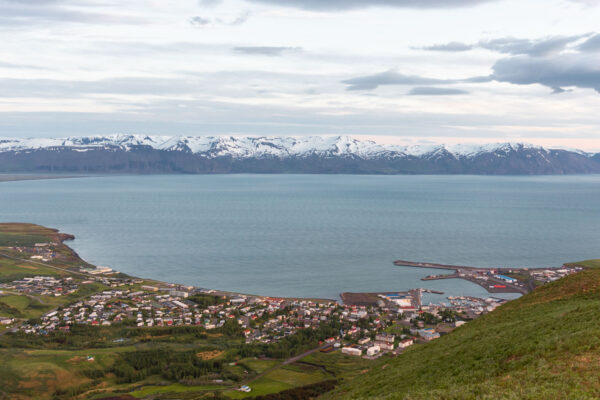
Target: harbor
[(493, 280)]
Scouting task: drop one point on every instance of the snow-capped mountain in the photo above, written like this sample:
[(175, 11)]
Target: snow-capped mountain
[(310, 154), (256, 147)]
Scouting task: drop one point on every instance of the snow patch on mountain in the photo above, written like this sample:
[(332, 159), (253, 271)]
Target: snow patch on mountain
[(261, 147)]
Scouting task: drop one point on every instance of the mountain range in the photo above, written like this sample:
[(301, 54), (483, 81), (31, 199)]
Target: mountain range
[(308, 154)]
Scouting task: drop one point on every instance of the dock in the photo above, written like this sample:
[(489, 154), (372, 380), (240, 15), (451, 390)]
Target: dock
[(479, 276), (404, 263)]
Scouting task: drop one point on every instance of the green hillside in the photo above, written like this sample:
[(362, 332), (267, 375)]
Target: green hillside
[(545, 345)]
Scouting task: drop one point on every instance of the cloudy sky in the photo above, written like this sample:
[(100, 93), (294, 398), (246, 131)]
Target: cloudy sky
[(394, 70)]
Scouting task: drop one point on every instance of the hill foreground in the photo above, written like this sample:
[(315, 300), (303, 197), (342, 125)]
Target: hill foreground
[(544, 345)]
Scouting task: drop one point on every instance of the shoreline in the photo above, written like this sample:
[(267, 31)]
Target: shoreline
[(471, 274), (26, 177)]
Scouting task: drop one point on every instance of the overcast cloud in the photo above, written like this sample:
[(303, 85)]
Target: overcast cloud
[(340, 5), (568, 70), (509, 45), (427, 69)]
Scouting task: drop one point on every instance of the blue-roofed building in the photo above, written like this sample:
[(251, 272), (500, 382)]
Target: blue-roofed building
[(506, 278), (428, 334)]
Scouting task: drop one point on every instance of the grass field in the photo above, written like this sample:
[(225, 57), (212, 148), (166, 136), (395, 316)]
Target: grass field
[(341, 365), (279, 379), (12, 234), (20, 306), (174, 388), (11, 270)]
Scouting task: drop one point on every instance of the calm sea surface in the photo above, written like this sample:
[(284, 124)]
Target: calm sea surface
[(314, 235)]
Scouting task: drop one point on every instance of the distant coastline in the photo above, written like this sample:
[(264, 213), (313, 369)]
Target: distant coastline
[(30, 177)]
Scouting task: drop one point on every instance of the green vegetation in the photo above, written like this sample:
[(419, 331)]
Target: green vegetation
[(206, 300), (586, 263), (25, 234), (304, 339), (284, 378), (303, 392), (11, 270), (19, 306), (172, 389), (544, 345), (340, 365), (171, 365)]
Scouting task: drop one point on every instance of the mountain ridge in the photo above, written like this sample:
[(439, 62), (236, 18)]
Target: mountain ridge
[(308, 154)]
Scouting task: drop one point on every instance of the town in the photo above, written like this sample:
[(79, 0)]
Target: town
[(387, 323), (229, 342), (372, 324)]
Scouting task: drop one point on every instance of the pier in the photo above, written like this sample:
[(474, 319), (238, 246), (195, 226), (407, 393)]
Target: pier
[(404, 263), (484, 277)]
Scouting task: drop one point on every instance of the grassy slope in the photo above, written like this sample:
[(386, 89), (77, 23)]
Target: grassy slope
[(544, 345), (17, 234)]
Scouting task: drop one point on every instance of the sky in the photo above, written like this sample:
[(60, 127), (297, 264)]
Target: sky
[(397, 71)]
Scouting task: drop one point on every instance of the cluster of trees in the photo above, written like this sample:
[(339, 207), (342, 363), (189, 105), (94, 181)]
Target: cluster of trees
[(206, 300), (73, 392), (445, 315), (80, 336), (266, 316), (171, 365), (196, 331), (448, 315), (427, 318), (289, 346)]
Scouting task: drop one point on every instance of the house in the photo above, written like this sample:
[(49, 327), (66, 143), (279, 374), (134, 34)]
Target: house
[(371, 351), (385, 337), (364, 340), (385, 345), (428, 334), (405, 343), (352, 351)]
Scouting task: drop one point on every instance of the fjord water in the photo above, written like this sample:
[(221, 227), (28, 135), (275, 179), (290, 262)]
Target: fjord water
[(314, 235)]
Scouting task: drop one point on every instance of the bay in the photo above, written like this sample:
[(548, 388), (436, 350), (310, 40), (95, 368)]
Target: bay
[(314, 235)]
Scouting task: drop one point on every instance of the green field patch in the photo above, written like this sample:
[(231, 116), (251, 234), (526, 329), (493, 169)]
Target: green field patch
[(11, 270), (261, 386), (21, 306), (286, 377), (15, 239), (174, 388), (341, 365), (258, 365)]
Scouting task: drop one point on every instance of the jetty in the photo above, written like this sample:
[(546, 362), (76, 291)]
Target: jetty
[(405, 263), (492, 280)]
